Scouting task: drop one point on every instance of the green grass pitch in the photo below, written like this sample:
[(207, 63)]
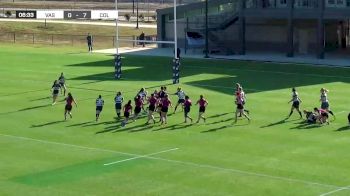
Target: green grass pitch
[(43, 155)]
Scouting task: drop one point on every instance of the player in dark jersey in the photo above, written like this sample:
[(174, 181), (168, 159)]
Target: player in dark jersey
[(151, 108), (68, 107), (55, 91), (295, 103), (62, 82), (127, 112), (349, 118), (202, 106), (143, 93), (311, 117), (187, 108), (138, 106), (99, 106), (322, 115), (166, 103)]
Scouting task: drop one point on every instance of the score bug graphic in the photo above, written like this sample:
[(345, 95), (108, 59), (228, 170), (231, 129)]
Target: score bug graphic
[(77, 14), (30, 14)]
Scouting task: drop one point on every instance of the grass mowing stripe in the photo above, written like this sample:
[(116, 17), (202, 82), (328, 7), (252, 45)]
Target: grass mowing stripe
[(138, 157), (184, 163), (336, 190)]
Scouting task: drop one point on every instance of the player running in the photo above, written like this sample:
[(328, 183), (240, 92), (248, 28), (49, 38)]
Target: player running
[(187, 108), (143, 93), (138, 105), (62, 82), (240, 108), (55, 91), (127, 112), (295, 103), (151, 108), (324, 101), (202, 106), (99, 106), (68, 108), (118, 100), (181, 95), (166, 103)]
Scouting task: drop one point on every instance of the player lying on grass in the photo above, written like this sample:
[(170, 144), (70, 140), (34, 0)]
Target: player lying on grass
[(311, 117), (322, 115), (68, 108)]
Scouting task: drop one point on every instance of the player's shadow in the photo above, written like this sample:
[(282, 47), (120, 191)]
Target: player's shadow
[(275, 123), (26, 109), (81, 124), (220, 121), (305, 125), (345, 128), (217, 129), (47, 124), (40, 99), (218, 115)]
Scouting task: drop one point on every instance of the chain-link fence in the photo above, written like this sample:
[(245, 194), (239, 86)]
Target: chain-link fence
[(99, 41)]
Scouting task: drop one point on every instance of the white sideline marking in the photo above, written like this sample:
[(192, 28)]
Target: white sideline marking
[(184, 163), (138, 157), (340, 112), (337, 190)]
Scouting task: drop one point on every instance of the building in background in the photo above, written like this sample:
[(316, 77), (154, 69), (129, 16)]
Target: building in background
[(239, 26)]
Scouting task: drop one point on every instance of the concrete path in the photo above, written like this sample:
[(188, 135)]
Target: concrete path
[(121, 24), (335, 60)]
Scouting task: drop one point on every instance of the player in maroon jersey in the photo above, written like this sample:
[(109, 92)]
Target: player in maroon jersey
[(138, 106), (202, 106), (151, 108), (187, 108), (68, 108), (166, 103), (322, 116), (127, 112)]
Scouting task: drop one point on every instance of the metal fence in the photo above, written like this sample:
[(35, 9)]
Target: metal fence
[(99, 41)]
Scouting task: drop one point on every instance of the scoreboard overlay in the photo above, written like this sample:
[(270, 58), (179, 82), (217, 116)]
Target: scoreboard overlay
[(66, 14)]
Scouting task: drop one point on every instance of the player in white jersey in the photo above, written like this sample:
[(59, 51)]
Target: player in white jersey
[(62, 82), (295, 103), (99, 106), (55, 90), (143, 94), (181, 95), (324, 101), (118, 100)]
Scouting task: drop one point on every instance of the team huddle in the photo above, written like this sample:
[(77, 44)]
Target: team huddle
[(159, 102)]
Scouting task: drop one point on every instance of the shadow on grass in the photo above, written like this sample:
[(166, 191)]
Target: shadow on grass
[(47, 124), (345, 128), (26, 109), (306, 125), (218, 128)]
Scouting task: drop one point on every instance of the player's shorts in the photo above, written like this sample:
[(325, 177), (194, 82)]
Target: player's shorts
[(240, 106), (68, 107), (202, 109), (181, 101), (137, 109), (296, 104), (99, 108), (324, 105), (126, 114), (324, 114), (164, 109), (55, 92), (118, 106), (151, 108), (62, 84), (187, 110)]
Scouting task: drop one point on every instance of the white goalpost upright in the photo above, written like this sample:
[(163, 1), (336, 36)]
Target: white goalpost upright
[(176, 60)]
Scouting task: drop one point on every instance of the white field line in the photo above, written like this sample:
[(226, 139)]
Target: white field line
[(340, 112), (138, 157), (231, 170), (336, 190)]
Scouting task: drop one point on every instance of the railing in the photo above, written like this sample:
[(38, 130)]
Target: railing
[(99, 41), (297, 4)]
